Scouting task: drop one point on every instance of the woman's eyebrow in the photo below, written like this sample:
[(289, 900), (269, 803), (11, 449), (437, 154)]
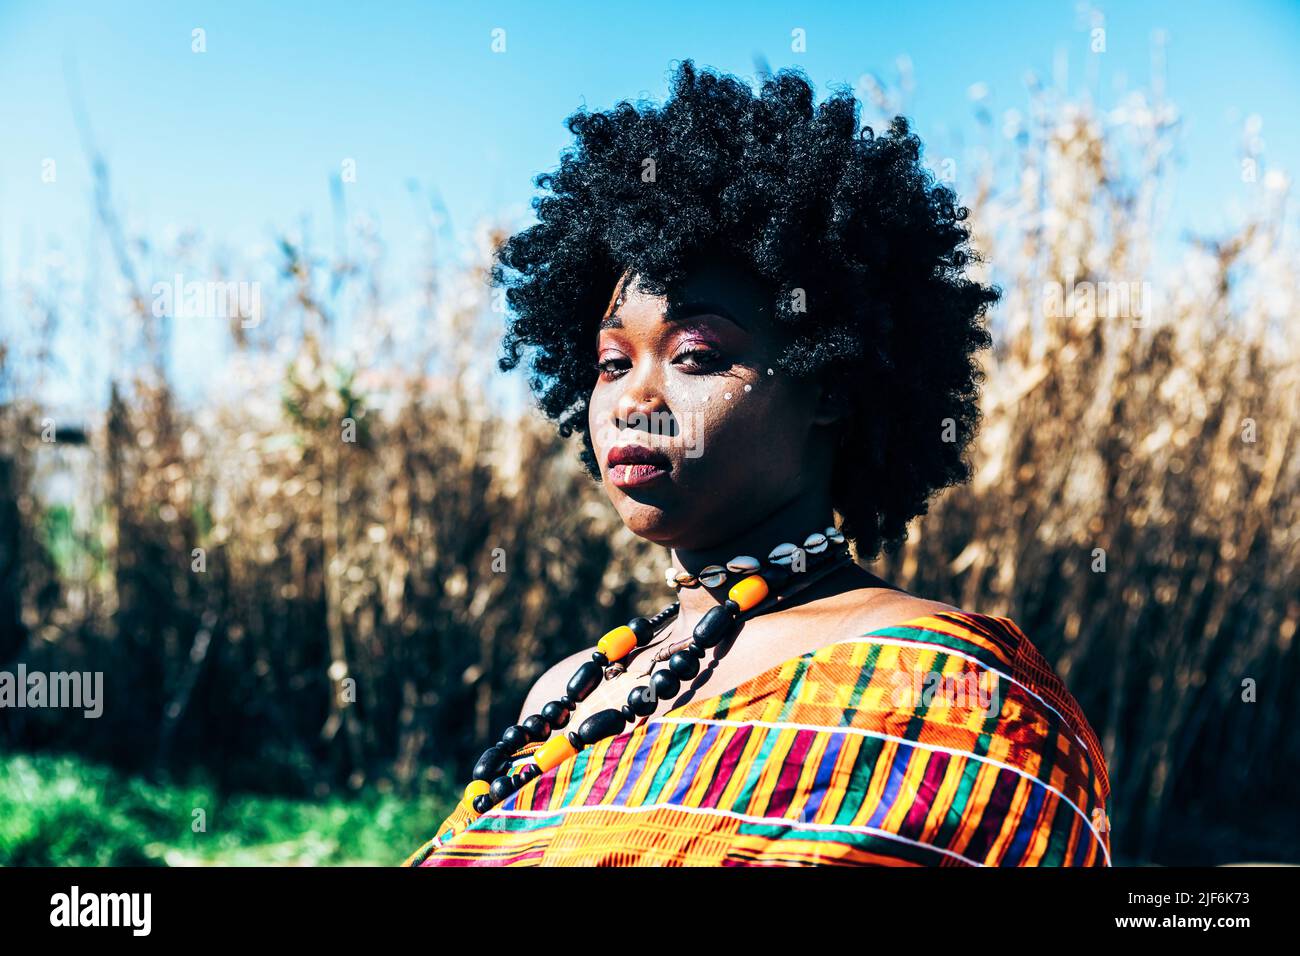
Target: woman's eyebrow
[(680, 311)]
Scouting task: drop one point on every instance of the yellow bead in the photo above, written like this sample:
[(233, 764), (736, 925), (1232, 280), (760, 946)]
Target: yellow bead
[(476, 788), (554, 752), (616, 644), (748, 592)]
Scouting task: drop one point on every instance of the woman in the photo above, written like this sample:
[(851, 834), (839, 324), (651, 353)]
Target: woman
[(756, 315)]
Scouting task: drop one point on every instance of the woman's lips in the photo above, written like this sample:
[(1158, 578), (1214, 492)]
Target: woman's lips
[(635, 475), (632, 465)]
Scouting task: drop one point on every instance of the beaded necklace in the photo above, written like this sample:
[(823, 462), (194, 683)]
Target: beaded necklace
[(764, 586)]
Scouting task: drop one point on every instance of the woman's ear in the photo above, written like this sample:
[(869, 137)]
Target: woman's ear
[(832, 405)]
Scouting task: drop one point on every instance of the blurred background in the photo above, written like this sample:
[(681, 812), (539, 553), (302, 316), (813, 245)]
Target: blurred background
[(227, 232)]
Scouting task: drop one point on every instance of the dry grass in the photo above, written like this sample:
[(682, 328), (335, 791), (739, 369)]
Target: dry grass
[(1170, 442), (373, 561)]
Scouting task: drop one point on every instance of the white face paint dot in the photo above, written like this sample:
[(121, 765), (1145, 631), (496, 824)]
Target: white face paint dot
[(769, 371), (728, 395), (749, 388)]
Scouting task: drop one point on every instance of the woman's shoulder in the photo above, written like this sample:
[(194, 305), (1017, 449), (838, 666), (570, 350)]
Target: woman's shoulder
[(553, 681), (995, 640), (994, 643)]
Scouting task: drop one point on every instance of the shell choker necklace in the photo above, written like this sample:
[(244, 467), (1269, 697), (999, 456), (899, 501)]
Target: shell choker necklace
[(761, 586)]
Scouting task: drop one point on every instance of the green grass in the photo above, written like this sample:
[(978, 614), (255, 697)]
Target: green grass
[(59, 811)]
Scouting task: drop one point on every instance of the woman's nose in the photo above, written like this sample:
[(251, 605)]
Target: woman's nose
[(642, 406)]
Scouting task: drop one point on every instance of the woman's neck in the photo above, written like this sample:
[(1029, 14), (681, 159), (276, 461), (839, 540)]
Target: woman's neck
[(792, 522)]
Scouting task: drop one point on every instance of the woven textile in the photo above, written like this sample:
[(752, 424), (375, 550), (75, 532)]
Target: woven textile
[(943, 741)]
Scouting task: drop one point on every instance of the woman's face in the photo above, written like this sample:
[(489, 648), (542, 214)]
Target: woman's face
[(718, 441)]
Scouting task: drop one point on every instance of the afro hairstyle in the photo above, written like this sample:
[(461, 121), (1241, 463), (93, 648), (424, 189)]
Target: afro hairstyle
[(864, 253)]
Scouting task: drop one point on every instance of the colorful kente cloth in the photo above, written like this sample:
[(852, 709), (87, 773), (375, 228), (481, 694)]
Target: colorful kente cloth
[(943, 741)]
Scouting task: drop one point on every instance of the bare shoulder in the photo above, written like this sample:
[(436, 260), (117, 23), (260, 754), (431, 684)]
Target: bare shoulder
[(553, 681), (905, 607), (870, 609)]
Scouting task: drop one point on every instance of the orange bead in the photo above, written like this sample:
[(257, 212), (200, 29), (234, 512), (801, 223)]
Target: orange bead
[(554, 752), (749, 591), (476, 788), (616, 644)]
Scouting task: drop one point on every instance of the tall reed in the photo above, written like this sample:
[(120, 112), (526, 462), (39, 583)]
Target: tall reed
[(291, 605)]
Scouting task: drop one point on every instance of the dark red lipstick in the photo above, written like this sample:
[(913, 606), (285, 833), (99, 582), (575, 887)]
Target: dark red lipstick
[(631, 466)]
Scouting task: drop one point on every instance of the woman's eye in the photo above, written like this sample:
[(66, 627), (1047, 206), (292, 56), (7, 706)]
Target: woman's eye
[(609, 369), (696, 359), (701, 358)]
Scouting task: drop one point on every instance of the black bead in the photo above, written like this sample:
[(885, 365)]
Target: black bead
[(530, 771), (490, 765), (574, 739), (693, 648), (640, 702), (731, 606), (537, 728), (513, 738), (567, 702), (714, 626), (683, 665), (555, 714), (628, 713), (666, 684), (598, 726), (502, 787), (643, 630), (482, 803), (600, 658), (586, 679)]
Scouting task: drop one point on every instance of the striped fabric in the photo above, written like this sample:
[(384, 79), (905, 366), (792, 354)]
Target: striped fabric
[(943, 741)]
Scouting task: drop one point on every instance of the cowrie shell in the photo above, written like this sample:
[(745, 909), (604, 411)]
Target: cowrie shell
[(782, 554), (713, 575)]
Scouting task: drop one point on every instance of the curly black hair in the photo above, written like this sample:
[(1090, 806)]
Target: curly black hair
[(864, 253)]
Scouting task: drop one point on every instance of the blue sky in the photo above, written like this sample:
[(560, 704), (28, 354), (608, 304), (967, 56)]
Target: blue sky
[(243, 139)]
